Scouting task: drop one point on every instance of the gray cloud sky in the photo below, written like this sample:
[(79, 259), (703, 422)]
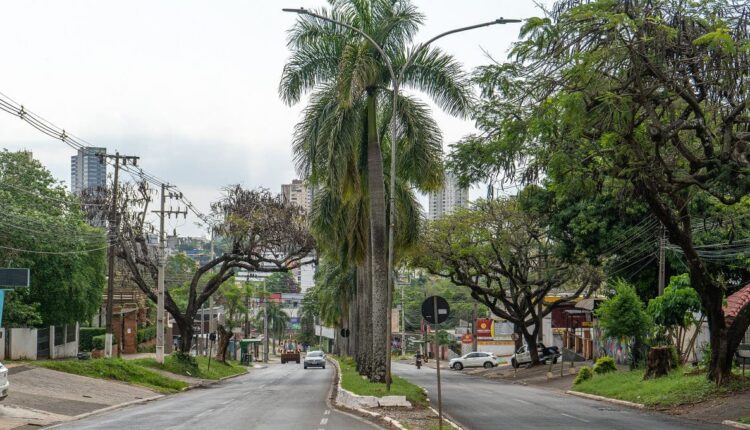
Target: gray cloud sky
[(189, 86)]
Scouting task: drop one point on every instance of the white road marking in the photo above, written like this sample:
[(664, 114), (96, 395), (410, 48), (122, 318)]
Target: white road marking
[(575, 418), (326, 412), (522, 401), (324, 421)]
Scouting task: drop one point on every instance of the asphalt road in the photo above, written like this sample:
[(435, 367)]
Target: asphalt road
[(479, 404), (282, 396)]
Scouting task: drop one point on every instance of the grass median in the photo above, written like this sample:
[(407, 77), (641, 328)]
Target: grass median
[(115, 369), (677, 388), (197, 367), (352, 381)]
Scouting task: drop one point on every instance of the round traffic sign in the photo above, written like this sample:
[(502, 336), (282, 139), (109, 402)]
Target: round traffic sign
[(428, 309)]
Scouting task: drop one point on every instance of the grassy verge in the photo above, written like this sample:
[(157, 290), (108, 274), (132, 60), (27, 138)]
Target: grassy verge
[(198, 369), (115, 369), (352, 381), (674, 389), (744, 420)]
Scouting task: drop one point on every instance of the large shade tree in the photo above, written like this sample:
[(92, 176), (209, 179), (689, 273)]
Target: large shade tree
[(651, 93), (341, 141)]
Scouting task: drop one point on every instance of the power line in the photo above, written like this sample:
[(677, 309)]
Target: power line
[(32, 251)]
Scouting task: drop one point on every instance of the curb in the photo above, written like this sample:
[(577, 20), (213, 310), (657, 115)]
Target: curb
[(735, 424), (334, 397), (607, 399), (450, 423)]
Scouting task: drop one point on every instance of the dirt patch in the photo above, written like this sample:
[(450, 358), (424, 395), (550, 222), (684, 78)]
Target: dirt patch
[(731, 407)]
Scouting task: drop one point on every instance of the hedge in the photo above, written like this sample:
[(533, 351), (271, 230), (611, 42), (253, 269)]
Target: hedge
[(85, 336), (97, 342), (146, 333)]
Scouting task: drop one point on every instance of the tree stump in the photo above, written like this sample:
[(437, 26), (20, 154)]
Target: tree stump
[(658, 363)]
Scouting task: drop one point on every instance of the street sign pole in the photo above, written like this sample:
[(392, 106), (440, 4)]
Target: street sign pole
[(437, 364)]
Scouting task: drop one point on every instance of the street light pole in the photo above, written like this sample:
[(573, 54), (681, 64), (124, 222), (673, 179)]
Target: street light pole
[(395, 83)]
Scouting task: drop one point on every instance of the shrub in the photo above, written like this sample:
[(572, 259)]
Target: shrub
[(605, 365), (85, 336), (97, 342), (146, 333), (583, 375), (675, 356)]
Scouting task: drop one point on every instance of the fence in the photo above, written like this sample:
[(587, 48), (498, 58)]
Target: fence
[(40, 343)]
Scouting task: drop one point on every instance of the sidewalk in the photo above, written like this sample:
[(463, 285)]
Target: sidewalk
[(40, 397)]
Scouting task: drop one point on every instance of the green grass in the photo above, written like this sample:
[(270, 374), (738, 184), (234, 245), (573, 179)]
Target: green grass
[(115, 369), (744, 420), (674, 389), (174, 365), (352, 381)]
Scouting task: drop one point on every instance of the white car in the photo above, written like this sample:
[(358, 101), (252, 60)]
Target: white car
[(4, 384), (474, 359), (315, 359)]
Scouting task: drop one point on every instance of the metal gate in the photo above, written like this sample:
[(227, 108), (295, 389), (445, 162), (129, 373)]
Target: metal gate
[(42, 343)]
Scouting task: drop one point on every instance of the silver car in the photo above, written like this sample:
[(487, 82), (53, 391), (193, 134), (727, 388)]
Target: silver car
[(4, 384), (315, 359), (474, 359)]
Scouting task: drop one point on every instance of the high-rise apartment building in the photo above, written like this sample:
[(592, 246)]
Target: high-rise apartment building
[(87, 170), (448, 199), (298, 193)]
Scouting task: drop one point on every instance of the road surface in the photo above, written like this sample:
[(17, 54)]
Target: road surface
[(478, 404), (282, 396)]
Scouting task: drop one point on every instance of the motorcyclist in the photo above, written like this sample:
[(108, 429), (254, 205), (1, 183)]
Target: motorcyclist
[(419, 360)]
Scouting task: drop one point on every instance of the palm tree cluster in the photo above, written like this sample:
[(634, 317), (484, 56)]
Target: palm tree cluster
[(342, 143)]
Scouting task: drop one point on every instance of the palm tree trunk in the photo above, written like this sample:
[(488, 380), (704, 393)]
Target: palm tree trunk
[(376, 190)]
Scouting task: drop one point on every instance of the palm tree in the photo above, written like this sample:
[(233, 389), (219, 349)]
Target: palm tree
[(277, 321), (338, 143)]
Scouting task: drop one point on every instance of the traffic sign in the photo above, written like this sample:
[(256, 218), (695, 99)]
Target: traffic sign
[(345, 332), (14, 278), (428, 309)]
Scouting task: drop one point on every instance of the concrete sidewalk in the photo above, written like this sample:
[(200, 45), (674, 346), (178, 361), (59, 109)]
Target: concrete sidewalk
[(40, 397)]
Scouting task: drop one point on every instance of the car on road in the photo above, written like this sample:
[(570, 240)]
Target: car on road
[(4, 384), (546, 354), (315, 359), (474, 359)]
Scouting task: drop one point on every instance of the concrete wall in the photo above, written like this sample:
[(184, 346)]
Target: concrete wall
[(22, 343), (69, 349), (2, 344)]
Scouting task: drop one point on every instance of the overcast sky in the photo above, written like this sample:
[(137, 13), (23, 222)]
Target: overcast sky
[(189, 86)]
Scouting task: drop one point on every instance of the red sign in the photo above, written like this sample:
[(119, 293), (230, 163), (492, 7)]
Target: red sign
[(484, 328), (466, 338)]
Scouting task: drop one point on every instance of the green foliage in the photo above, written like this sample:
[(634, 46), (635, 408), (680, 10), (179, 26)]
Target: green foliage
[(583, 375), (97, 342), (605, 365), (675, 357), (195, 367), (677, 388), (146, 333), (622, 315), (68, 259), (118, 370), (86, 335), (281, 282), (676, 306)]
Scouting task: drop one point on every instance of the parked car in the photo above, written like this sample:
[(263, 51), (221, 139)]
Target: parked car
[(315, 359), (4, 384), (474, 359), (546, 354)]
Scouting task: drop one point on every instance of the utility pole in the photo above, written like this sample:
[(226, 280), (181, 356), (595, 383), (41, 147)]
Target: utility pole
[(113, 233), (662, 265), (265, 324), (474, 329), (160, 312), (403, 324)]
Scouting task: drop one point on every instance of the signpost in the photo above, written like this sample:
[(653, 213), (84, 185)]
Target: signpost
[(435, 310), (10, 279)]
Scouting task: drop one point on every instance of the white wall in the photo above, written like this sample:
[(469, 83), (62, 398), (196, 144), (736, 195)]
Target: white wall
[(22, 343)]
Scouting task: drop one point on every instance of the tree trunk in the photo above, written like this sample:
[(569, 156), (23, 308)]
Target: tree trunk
[(531, 341), (659, 362), (376, 191), (185, 327), (224, 337)]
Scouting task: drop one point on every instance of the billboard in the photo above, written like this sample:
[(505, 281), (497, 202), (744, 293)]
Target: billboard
[(485, 328)]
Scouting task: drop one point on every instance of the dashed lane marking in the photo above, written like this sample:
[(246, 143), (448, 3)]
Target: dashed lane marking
[(324, 421), (326, 412), (575, 418)]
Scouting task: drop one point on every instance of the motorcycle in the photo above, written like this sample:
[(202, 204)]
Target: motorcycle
[(419, 361)]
